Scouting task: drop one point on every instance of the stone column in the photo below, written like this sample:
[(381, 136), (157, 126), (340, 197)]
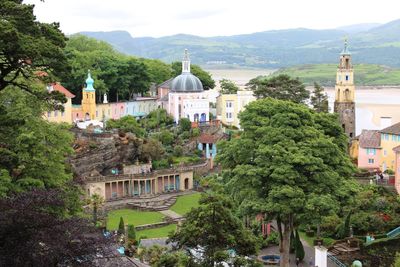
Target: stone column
[(139, 188)]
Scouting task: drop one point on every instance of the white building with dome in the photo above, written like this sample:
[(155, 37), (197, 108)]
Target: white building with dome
[(186, 97)]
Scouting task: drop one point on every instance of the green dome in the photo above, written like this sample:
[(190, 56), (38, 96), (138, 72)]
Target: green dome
[(356, 263), (89, 83)]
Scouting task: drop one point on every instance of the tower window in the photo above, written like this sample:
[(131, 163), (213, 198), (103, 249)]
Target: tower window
[(347, 77)]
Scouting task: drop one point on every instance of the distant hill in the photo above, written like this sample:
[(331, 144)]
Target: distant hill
[(369, 43), (325, 74)]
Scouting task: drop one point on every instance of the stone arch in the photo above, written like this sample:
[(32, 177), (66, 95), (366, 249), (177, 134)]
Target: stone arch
[(347, 94)]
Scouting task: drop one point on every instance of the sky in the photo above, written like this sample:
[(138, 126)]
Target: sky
[(157, 18)]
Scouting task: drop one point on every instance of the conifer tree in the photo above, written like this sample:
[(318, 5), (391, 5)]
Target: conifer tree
[(319, 99)]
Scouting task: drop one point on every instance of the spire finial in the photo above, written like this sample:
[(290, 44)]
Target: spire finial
[(186, 62), (345, 49)]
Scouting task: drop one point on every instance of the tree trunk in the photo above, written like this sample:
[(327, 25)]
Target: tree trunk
[(318, 230), (94, 214), (285, 246)]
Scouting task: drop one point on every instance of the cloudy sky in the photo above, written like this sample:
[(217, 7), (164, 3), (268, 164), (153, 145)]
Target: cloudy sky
[(210, 17)]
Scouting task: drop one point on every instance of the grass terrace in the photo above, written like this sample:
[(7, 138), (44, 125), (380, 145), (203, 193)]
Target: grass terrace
[(185, 203), (156, 232), (134, 217)]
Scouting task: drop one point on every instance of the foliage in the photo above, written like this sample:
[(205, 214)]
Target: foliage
[(158, 118), (161, 164), (397, 260), (121, 76), (319, 99), (28, 46), (174, 259), (126, 124), (131, 232), (281, 87), (166, 137), (152, 254), (195, 132), (283, 159), (299, 249), (178, 151), (121, 226), (152, 149), (228, 87), (273, 238), (205, 77), (214, 228), (32, 150), (184, 125), (95, 201), (33, 233)]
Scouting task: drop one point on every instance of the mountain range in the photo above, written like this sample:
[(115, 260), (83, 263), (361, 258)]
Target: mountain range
[(369, 43)]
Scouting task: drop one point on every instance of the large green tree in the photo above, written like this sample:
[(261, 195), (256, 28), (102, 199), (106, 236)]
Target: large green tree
[(27, 46), (204, 76), (228, 87), (319, 99), (212, 229), (281, 87), (32, 150), (284, 157)]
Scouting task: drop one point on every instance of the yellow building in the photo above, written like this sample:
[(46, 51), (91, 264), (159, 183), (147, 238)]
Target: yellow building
[(89, 100), (229, 106), (57, 115), (390, 138)]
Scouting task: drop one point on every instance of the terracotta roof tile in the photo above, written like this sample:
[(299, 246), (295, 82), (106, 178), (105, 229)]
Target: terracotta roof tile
[(209, 138), (58, 87), (393, 129), (370, 139)]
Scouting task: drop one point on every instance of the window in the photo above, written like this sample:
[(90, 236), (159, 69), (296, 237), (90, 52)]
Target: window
[(229, 115), (56, 113), (371, 161), (371, 151), (347, 77), (48, 114), (382, 137), (384, 152), (386, 136), (229, 104)]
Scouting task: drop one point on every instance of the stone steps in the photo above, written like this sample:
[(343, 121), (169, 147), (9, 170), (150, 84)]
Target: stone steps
[(154, 205)]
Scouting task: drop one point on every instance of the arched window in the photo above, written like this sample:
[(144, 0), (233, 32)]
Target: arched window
[(347, 94)]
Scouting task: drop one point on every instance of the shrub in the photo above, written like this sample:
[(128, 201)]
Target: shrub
[(389, 171), (185, 135), (195, 132), (178, 151), (185, 125), (273, 239), (131, 232), (166, 137), (329, 224), (121, 227), (299, 249)]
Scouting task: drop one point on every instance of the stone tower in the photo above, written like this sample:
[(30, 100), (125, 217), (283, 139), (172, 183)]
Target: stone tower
[(344, 93), (89, 99)]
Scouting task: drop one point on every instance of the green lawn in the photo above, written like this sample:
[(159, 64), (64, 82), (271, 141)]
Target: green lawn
[(310, 240), (132, 217), (157, 232), (185, 203), (325, 74)]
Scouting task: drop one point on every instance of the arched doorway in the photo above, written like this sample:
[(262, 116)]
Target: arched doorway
[(87, 117), (196, 117), (203, 117), (186, 183)]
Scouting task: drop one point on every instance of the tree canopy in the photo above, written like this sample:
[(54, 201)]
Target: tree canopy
[(285, 158), (27, 46), (212, 229), (281, 87), (228, 87), (319, 99)]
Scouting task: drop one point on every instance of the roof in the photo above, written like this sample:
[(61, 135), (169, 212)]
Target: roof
[(209, 138), (370, 139), (186, 82), (166, 84), (396, 149), (58, 87), (393, 129)]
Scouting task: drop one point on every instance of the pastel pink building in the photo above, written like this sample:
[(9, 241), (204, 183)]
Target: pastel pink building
[(369, 151), (118, 110)]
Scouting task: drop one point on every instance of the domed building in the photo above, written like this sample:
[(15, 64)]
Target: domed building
[(186, 98)]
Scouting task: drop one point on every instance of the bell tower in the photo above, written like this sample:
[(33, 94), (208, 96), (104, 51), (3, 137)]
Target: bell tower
[(344, 93), (89, 99)]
